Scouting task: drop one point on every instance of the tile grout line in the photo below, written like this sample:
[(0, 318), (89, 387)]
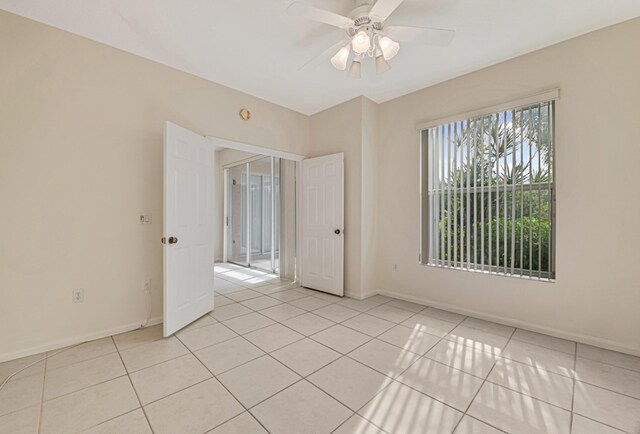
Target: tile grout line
[(528, 366), (481, 421), (610, 364), (259, 311), (341, 355), (85, 360), (407, 368), (392, 381), (562, 375), (575, 383), (542, 346), (572, 377), (97, 384), (608, 390), (230, 369), (285, 345), (530, 396), (126, 370), (443, 338), (225, 388), (435, 361), (269, 353), (114, 418), (483, 383), (369, 340), (386, 302), (158, 363), (44, 379), (484, 380), (606, 424), (84, 388), (573, 386), (302, 377)]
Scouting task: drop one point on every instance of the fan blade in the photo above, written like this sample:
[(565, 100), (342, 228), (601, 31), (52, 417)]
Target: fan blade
[(421, 35), (329, 51), (383, 8), (299, 9)]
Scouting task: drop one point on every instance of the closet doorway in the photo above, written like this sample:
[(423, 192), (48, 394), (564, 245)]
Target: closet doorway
[(253, 213)]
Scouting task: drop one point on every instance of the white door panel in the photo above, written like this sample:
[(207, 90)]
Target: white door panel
[(188, 220), (323, 223)]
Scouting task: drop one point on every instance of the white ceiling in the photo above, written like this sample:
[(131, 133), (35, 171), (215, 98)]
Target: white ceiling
[(253, 46)]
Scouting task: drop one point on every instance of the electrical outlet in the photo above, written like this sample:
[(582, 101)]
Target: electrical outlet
[(144, 218), (77, 295), (147, 285)]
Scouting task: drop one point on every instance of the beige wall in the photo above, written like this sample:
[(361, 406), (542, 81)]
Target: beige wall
[(339, 129), (352, 128), (288, 225), (369, 183), (597, 293), (81, 155), (81, 129)]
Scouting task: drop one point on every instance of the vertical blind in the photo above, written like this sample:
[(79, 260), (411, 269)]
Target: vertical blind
[(490, 191)]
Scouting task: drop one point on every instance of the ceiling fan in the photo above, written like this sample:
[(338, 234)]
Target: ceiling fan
[(367, 35)]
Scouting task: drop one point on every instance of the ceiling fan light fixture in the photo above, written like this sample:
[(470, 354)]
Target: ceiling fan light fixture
[(389, 47), (361, 42), (339, 60), (367, 30), (381, 63), (355, 69)]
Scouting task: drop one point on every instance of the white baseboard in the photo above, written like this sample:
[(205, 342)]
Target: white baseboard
[(370, 294), (577, 337), (355, 295), (75, 340), (361, 295)]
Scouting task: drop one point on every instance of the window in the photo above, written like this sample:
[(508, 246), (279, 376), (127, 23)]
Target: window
[(488, 192)]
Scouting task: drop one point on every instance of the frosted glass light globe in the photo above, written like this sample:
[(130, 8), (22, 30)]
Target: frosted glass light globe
[(361, 42)]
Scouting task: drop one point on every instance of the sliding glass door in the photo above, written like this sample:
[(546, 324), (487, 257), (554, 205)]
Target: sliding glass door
[(253, 213), (237, 215), (261, 215), (276, 214)]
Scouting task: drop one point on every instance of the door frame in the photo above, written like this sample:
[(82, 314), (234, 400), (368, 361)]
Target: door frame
[(220, 143)]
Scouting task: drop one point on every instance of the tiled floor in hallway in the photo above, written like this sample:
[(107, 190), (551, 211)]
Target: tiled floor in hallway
[(276, 358)]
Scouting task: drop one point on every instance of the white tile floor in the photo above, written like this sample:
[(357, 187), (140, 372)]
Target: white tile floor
[(281, 359)]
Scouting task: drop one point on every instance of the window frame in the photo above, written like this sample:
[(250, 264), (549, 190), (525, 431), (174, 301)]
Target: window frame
[(424, 256)]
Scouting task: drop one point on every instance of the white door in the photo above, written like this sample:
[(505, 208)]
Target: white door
[(323, 223), (188, 227)]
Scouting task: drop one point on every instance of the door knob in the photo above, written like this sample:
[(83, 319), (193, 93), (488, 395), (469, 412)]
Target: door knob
[(173, 240), (337, 232)]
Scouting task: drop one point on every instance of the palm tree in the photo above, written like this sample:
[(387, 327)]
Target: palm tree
[(502, 159)]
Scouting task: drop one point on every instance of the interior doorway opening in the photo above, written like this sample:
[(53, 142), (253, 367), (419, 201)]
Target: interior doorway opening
[(253, 214), (259, 224)]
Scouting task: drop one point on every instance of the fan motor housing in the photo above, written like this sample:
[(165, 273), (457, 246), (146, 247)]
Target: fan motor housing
[(362, 20)]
